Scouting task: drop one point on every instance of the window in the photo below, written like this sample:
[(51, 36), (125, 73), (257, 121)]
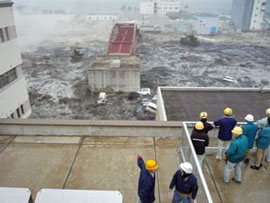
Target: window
[(18, 113), (2, 35), (12, 115), (8, 77), (22, 109), (7, 34)]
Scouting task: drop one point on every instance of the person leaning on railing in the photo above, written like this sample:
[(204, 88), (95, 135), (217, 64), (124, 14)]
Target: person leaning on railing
[(185, 184), (200, 140), (226, 124), (235, 155), (262, 143), (250, 130), (261, 124)]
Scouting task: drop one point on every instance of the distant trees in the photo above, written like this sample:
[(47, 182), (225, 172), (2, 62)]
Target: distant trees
[(189, 40)]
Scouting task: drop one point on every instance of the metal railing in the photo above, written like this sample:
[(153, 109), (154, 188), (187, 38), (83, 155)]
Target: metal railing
[(188, 153)]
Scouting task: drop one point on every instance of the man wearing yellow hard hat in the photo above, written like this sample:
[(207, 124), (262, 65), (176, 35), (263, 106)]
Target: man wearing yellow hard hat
[(235, 155), (261, 124), (200, 140), (226, 124), (146, 185)]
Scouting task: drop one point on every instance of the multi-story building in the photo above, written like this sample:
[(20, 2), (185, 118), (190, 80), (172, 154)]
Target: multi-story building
[(150, 7), (207, 24), (119, 70), (14, 100), (248, 14)]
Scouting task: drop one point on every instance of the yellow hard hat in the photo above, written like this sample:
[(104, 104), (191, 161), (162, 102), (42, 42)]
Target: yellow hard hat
[(228, 111), (199, 126), (267, 112), (151, 165), (237, 130), (203, 115)]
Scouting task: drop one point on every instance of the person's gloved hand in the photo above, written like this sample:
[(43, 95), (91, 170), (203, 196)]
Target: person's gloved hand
[(139, 157)]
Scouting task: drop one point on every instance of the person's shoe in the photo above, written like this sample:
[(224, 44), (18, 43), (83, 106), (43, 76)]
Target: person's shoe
[(255, 167), (237, 181), (218, 158), (224, 181), (260, 165), (246, 161)]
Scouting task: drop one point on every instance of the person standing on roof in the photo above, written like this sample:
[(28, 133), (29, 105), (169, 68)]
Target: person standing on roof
[(226, 124), (262, 143), (207, 126), (200, 140), (235, 155), (185, 184), (146, 185), (261, 124), (250, 130)]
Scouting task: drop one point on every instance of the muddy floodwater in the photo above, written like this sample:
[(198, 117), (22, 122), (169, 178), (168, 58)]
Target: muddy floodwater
[(57, 82)]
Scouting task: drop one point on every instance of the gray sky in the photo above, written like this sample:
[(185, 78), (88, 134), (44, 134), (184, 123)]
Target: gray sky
[(86, 6)]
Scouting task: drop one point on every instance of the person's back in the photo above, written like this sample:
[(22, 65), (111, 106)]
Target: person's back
[(146, 184), (238, 148), (250, 130), (226, 124), (263, 139), (200, 140)]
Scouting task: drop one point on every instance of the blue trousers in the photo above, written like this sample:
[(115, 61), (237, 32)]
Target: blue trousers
[(178, 198)]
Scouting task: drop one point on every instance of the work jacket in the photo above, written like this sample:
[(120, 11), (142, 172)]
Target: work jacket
[(262, 122), (146, 185), (207, 126), (237, 149), (250, 130), (226, 124), (187, 185), (263, 139), (200, 140)]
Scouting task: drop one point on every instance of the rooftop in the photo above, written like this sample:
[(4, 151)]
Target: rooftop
[(186, 103), (123, 39)]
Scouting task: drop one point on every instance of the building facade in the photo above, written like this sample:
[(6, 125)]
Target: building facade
[(102, 17), (248, 14), (207, 25), (162, 7), (14, 99)]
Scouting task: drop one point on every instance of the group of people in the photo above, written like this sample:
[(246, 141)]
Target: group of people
[(238, 141)]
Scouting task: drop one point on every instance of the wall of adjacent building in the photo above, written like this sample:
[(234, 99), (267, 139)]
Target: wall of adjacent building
[(14, 100)]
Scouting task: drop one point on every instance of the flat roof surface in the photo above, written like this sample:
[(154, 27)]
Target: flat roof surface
[(122, 38), (186, 105), (92, 163)]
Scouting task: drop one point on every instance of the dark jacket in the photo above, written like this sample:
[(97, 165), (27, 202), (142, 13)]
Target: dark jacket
[(200, 140), (207, 126), (226, 125), (263, 139), (238, 149), (146, 186), (186, 185)]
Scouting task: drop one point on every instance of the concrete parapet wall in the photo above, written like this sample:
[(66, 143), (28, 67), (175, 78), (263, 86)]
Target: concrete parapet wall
[(79, 128)]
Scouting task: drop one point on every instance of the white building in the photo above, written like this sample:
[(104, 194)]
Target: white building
[(102, 17), (207, 25), (14, 100), (257, 14), (248, 14), (162, 7)]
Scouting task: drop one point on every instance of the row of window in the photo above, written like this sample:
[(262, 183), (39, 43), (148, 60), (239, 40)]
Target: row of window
[(18, 113), (7, 33), (8, 77)]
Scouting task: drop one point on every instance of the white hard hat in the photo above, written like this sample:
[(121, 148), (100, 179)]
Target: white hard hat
[(186, 167), (249, 118)]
